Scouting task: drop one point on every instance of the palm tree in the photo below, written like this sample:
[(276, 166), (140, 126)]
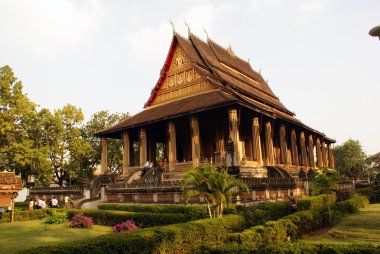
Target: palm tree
[(217, 186)]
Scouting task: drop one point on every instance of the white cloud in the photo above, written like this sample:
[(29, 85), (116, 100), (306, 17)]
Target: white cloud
[(44, 27), (147, 42), (258, 5)]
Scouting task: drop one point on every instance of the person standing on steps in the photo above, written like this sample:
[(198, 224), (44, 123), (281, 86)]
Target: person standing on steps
[(67, 200)]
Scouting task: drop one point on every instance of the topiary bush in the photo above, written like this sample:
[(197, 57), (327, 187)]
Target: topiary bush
[(311, 202), (56, 218), (23, 215), (111, 218)]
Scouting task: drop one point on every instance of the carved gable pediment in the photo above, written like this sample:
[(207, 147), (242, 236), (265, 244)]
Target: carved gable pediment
[(181, 80)]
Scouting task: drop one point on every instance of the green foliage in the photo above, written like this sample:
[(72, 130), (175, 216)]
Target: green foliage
[(91, 158), (270, 232), (289, 227), (23, 215), (311, 202), (349, 158), (195, 212), (56, 217), (217, 186), (372, 166), (290, 248), (111, 218), (177, 238), (22, 204), (324, 181)]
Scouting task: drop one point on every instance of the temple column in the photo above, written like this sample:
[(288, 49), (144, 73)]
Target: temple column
[(331, 157), (126, 152), (220, 145), (104, 156), (283, 146), (324, 155), (172, 145), (319, 153), (293, 143), (195, 141), (311, 152), (143, 146), (234, 132), (256, 144), (269, 143), (303, 150)]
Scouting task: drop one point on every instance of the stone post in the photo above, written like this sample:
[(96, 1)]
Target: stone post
[(269, 143), (234, 132), (195, 141), (256, 144), (143, 146), (172, 145), (126, 153), (311, 152), (331, 157), (283, 145), (324, 155), (293, 141), (303, 150), (104, 156), (319, 153)]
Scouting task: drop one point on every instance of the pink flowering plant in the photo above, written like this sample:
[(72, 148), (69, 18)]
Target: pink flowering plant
[(80, 221), (127, 226)]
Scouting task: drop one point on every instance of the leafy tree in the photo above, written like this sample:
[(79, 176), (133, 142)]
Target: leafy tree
[(349, 158), (99, 121), (372, 166), (324, 181), (64, 137), (217, 186), (21, 144)]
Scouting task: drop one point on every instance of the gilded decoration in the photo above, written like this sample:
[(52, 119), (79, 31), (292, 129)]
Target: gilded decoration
[(181, 80)]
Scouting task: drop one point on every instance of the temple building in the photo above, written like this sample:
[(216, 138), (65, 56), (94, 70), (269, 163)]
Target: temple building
[(210, 106)]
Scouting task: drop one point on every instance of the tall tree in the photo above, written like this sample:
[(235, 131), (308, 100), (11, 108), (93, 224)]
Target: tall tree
[(64, 137), (21, 145), (99, 121), (372, 166), (349, 158)]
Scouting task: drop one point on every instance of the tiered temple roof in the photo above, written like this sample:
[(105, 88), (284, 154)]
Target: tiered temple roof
[(229, 80)]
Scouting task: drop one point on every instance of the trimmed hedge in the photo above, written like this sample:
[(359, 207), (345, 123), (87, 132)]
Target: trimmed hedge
[(194, 211), (314, 201), (270, 232), (23, 215), (176, 238), (299, 222), (24, 204), (111, 218), (290, 248)]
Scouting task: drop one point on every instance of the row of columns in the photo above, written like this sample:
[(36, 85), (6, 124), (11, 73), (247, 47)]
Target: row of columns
[(306, 159)]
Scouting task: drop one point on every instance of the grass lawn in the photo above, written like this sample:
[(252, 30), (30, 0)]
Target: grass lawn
[(27, 234), (362, 227)]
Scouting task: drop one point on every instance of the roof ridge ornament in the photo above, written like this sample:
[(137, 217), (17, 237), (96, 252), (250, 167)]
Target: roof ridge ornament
[(188, 27), (204, 29), (174, 32)]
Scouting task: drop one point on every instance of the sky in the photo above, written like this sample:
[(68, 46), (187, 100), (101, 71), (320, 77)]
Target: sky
[(107, 55)]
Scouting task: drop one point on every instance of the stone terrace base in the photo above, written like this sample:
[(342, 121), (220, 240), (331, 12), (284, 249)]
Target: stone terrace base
[(178, 197)]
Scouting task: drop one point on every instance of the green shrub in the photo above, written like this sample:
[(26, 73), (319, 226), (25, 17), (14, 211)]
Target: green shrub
[(364, 191), (176, 238), (111, 218), (314, 201), (23, 215), (270, 232), (290, 248), (194, 211), (56, 218), (23, 205)]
